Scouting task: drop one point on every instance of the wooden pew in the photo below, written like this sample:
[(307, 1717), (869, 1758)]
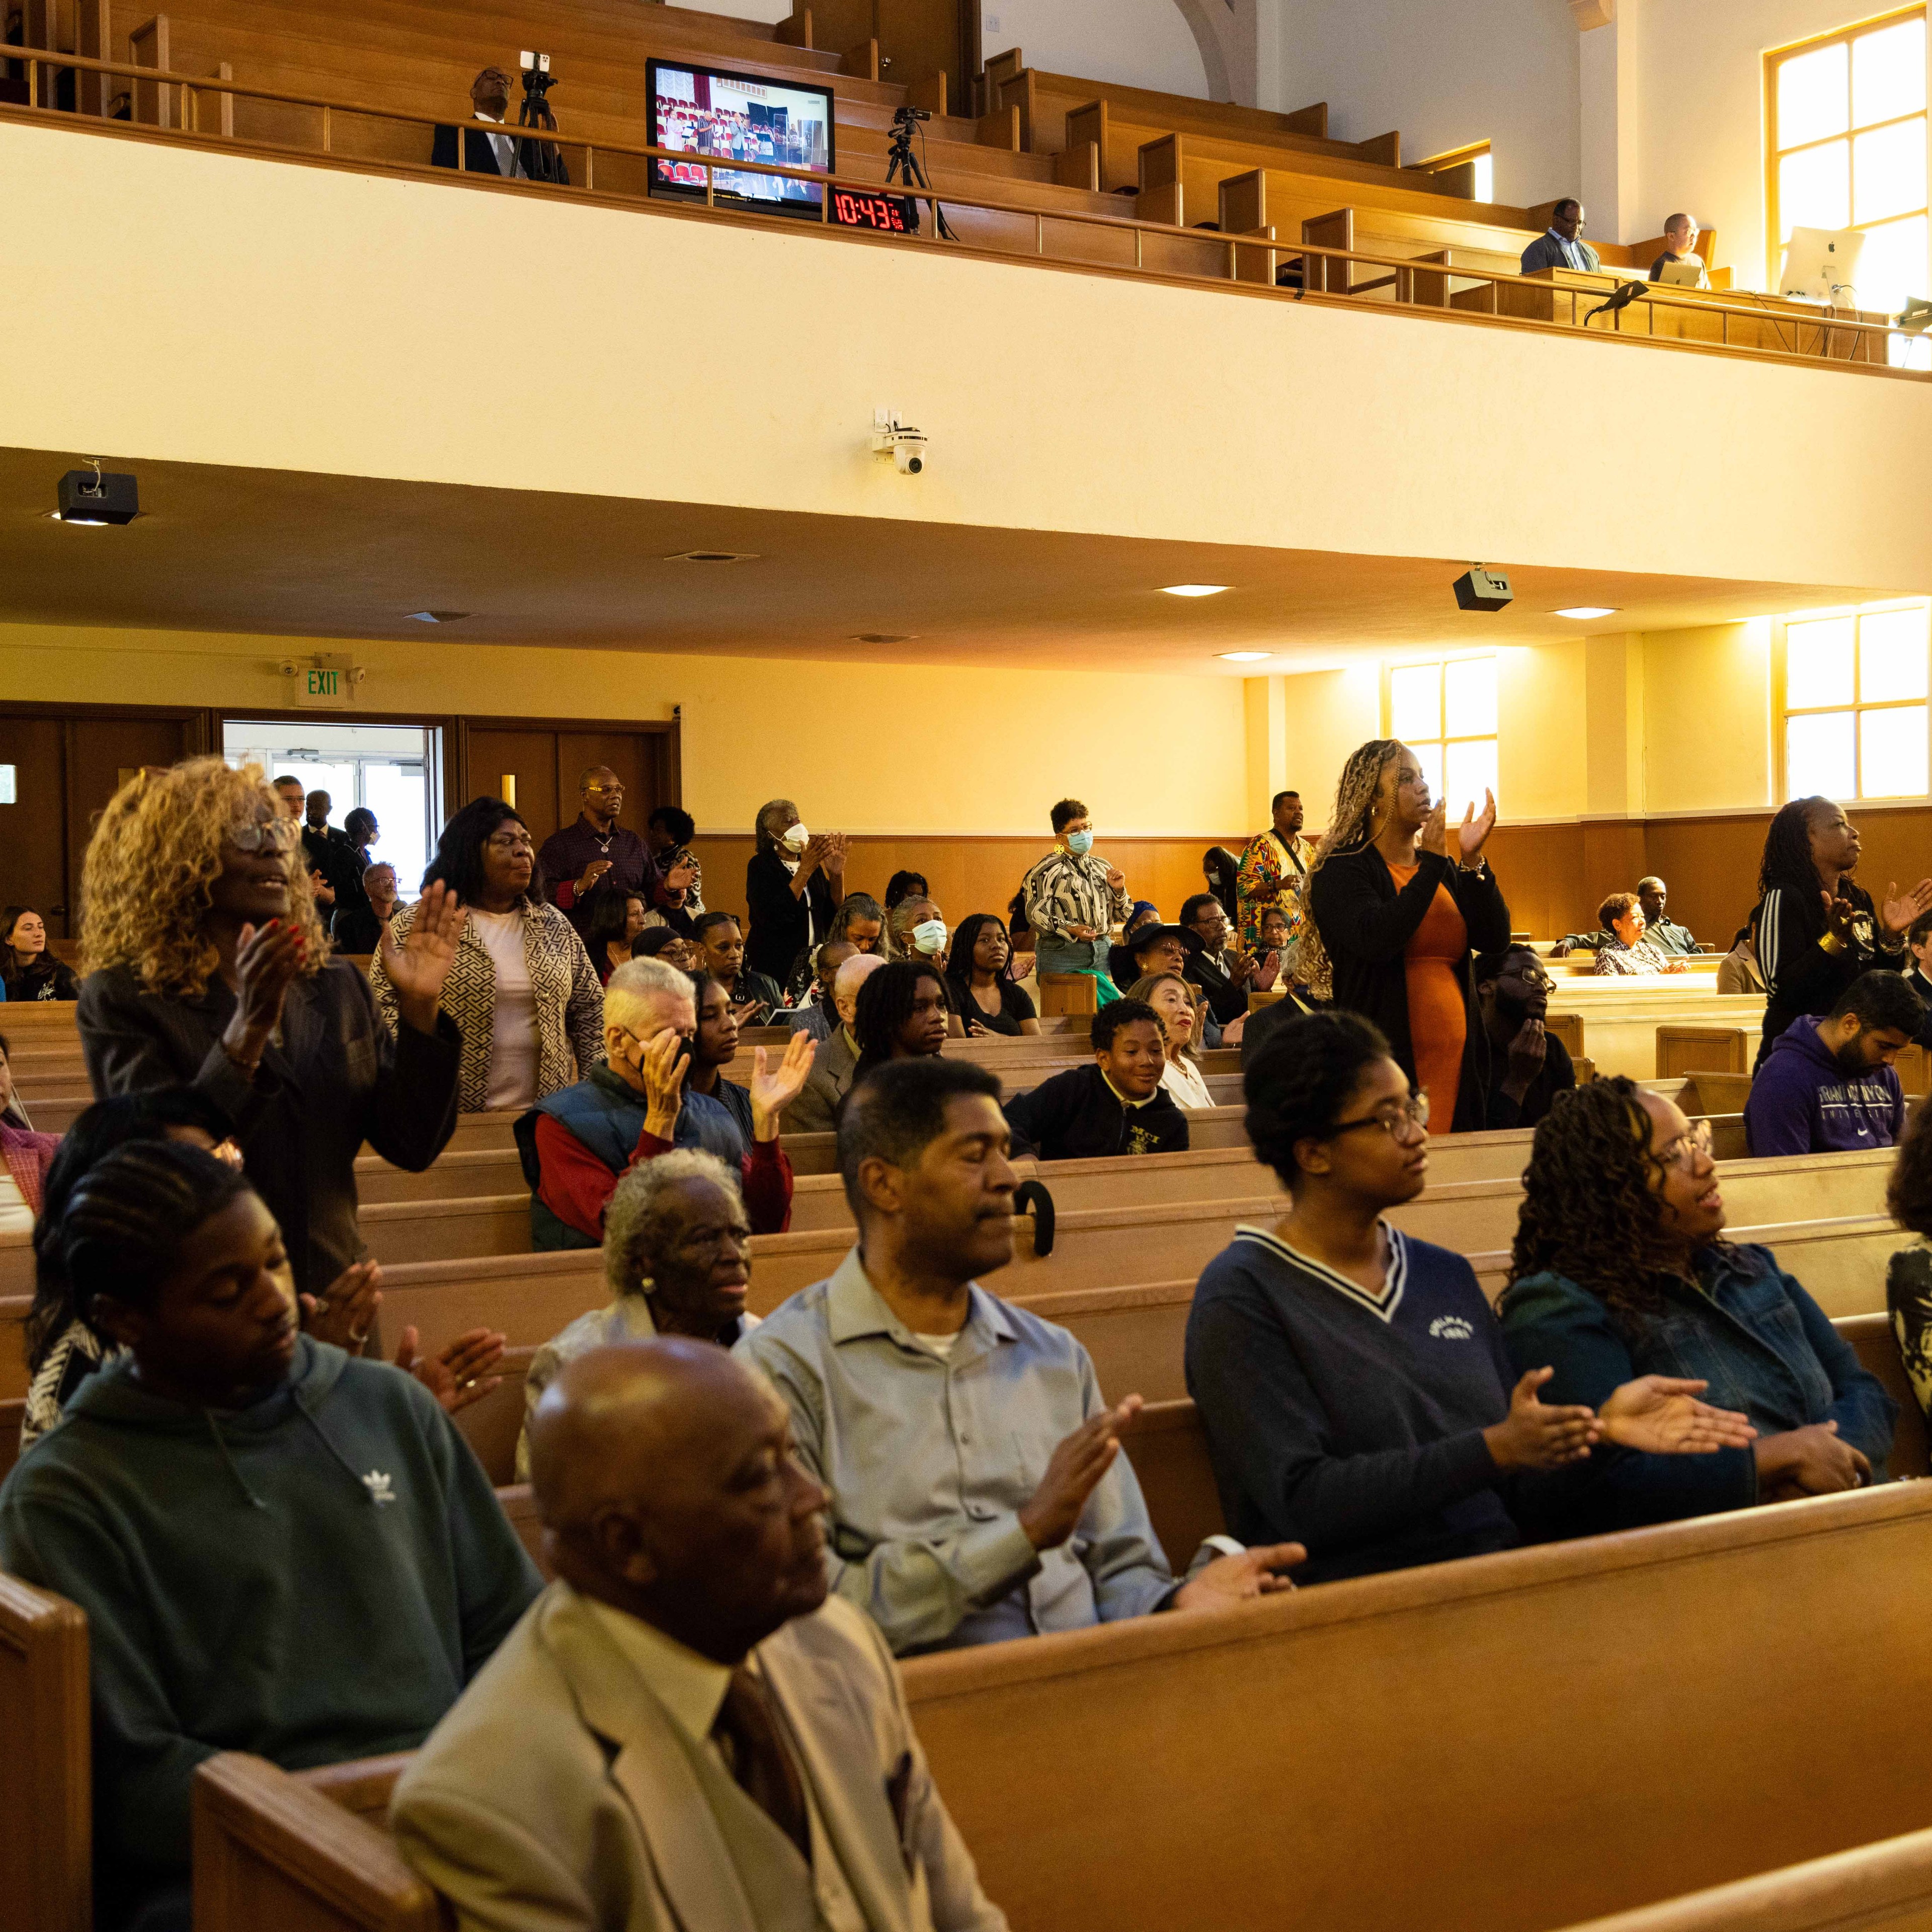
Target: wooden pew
[(47, 1877), (1702, 1049), (1342, 1744), (1882, 1888)]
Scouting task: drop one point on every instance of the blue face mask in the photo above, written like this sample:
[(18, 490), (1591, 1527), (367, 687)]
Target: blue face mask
[(1080, 843), (929, 936)]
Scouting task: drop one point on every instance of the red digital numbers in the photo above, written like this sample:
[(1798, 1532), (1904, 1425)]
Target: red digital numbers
[(880, 211)]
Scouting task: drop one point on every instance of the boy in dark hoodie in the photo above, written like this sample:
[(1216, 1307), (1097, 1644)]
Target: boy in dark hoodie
[(281, 1549), (1114, 1105), (1829, 1086)]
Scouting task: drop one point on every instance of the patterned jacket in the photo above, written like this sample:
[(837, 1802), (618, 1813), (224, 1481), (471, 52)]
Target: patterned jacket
[(1614, 957), (1065, 889), (569, 1003)]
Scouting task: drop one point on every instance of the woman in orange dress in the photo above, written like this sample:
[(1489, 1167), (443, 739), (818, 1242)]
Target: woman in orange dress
[(1400, 900)]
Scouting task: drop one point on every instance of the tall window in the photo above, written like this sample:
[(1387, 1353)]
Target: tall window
[(1855, 718), (1445, 713), (1846, 114)]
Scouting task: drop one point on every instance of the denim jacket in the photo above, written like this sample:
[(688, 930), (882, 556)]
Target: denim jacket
[(1762, 1344)]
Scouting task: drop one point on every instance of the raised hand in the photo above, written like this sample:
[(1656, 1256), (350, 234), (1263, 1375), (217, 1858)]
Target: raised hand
[(592, 873), (266, 964), (1898, 909), (1230, 1034), (1073, 1473), (1661, 1415), (1534, 1437), (1840, 914), (836, 844), (1267, 972), (459, 1374), (1239, 1580), (418, 967), (324, 892), (1434, 836), (773, 1089), (1475, 829), (680, 876), (343, 1313)]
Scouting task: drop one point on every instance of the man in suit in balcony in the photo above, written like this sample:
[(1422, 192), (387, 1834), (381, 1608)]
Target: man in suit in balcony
[(1562, 246), (484, 152)]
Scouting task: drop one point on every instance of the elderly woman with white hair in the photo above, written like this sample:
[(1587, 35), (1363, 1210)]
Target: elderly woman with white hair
[(677, 1255)]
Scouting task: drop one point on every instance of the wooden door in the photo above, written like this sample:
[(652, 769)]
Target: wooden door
[(524, 753), (918, 38), (548, 760), (33, 829)]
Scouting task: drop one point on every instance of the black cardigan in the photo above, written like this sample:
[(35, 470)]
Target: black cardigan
[(1800, 976), (778, 920), (1365, 924)]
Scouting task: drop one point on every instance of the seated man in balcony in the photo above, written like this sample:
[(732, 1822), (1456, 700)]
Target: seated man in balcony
[(484, 152), (1562, 246)]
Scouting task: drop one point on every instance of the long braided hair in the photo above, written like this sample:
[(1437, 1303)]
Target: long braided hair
[(1787, 860), (1349, 829), (1590, 1211)]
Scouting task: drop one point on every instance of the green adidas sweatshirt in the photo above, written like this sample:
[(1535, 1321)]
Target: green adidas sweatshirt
[(312, 1579)]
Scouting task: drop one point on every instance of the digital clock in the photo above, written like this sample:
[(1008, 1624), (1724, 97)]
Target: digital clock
[(887, 214)]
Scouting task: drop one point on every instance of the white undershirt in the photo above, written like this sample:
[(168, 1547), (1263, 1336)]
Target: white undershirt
[(17, 1218), (941, 1346), (513, 1031)]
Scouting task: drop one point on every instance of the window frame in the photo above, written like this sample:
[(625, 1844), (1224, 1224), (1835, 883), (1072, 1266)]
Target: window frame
[(1782, 713), (1774, 59), (1443, 738)]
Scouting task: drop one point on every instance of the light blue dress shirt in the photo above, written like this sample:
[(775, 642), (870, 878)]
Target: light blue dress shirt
[(929, 1463)]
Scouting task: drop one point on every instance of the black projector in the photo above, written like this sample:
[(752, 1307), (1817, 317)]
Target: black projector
[(1480, 589), (106, 496)]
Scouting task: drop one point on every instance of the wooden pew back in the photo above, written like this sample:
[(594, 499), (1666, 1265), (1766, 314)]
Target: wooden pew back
[(47, 1846), (1360, 1749)]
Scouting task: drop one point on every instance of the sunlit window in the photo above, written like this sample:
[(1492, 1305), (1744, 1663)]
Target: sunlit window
[(1445, 713), (1855, 717), (1847, 118)]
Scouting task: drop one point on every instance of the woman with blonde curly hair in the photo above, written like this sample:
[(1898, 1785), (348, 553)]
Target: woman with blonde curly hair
[(207, 968), (1399, 901)]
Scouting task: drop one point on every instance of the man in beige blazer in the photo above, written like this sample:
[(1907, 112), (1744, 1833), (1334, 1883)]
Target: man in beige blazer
[(683, 1734)]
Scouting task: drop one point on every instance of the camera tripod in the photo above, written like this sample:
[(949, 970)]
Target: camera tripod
[(541, 161), (902, 166)]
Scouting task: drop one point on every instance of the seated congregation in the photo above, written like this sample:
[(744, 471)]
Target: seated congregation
[(284, 1545)]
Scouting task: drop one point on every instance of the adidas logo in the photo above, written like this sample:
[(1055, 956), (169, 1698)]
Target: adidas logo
[(378, 1485), (1445, 1327)]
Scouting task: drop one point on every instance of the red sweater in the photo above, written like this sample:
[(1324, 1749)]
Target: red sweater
[(577, 1187)]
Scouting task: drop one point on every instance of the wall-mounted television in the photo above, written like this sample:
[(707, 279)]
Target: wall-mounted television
[(739, 117)]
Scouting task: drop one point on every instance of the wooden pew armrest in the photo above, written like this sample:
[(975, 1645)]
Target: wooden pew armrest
[(269, 1850)]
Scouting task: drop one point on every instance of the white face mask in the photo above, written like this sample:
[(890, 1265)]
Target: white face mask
[(796, 839), (929, 936)]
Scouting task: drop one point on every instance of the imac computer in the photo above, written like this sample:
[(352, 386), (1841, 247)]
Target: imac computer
[(1821, 265)]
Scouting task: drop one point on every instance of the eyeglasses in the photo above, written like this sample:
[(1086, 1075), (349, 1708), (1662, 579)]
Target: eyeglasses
[(511, 842), (1413, 1112), (1536, 979), (616, 790), (1684, 1150), (278, 834)]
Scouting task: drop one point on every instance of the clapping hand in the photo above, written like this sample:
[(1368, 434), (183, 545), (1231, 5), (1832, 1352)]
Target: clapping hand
[(1475, 830), (774, 1088), (1267, 972), (1897, 911), (343, 1313), (418, 966), (1073, 1473), (1434, 836), (266, 963), (680, 876), (835, 843), (1239, 1580), (1534, 1437), (1662, 1416), (324, 892), (459, 1374), (1839, 914)]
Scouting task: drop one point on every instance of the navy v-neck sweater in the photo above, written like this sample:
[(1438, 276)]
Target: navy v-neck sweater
[(1346, 1421)]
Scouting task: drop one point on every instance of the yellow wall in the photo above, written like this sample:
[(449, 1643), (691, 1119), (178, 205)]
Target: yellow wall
[(1707, 718), (912, 750), (1329, 713), (1540, 731), (311, 318)]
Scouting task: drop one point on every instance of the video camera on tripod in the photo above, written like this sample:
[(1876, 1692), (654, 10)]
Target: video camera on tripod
[(903, 165), (541, 161)]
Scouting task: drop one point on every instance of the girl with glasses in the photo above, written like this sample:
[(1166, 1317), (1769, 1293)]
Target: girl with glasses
[(1621, 1268), (1353, 1382)]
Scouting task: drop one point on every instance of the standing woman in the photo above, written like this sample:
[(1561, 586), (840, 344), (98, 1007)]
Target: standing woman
[(1400, 902), (27, 968), (521, 990), (982, 979), (207, 969), (1817, 928), (792, 886)]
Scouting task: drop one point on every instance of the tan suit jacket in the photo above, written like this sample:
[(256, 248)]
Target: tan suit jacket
[(559, 1792), (816, 1109)]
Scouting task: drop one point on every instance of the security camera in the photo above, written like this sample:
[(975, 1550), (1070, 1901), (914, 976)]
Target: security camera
[(907, 446)]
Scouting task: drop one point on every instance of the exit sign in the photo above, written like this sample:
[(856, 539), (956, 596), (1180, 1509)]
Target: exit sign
[(324, 685)]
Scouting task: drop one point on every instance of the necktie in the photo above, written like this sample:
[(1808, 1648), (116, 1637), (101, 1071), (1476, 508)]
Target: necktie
[(759, 1760)]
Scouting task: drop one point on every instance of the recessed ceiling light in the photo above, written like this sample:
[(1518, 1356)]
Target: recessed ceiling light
[(1243, 657), (1193, 589), (1581, 611), (437, 616), (78, 523), (713, 556)]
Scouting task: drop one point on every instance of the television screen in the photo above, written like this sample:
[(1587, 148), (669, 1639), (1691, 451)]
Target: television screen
[(735, 117)]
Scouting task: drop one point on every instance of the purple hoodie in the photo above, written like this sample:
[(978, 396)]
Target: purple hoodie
[(1801, 1102)]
